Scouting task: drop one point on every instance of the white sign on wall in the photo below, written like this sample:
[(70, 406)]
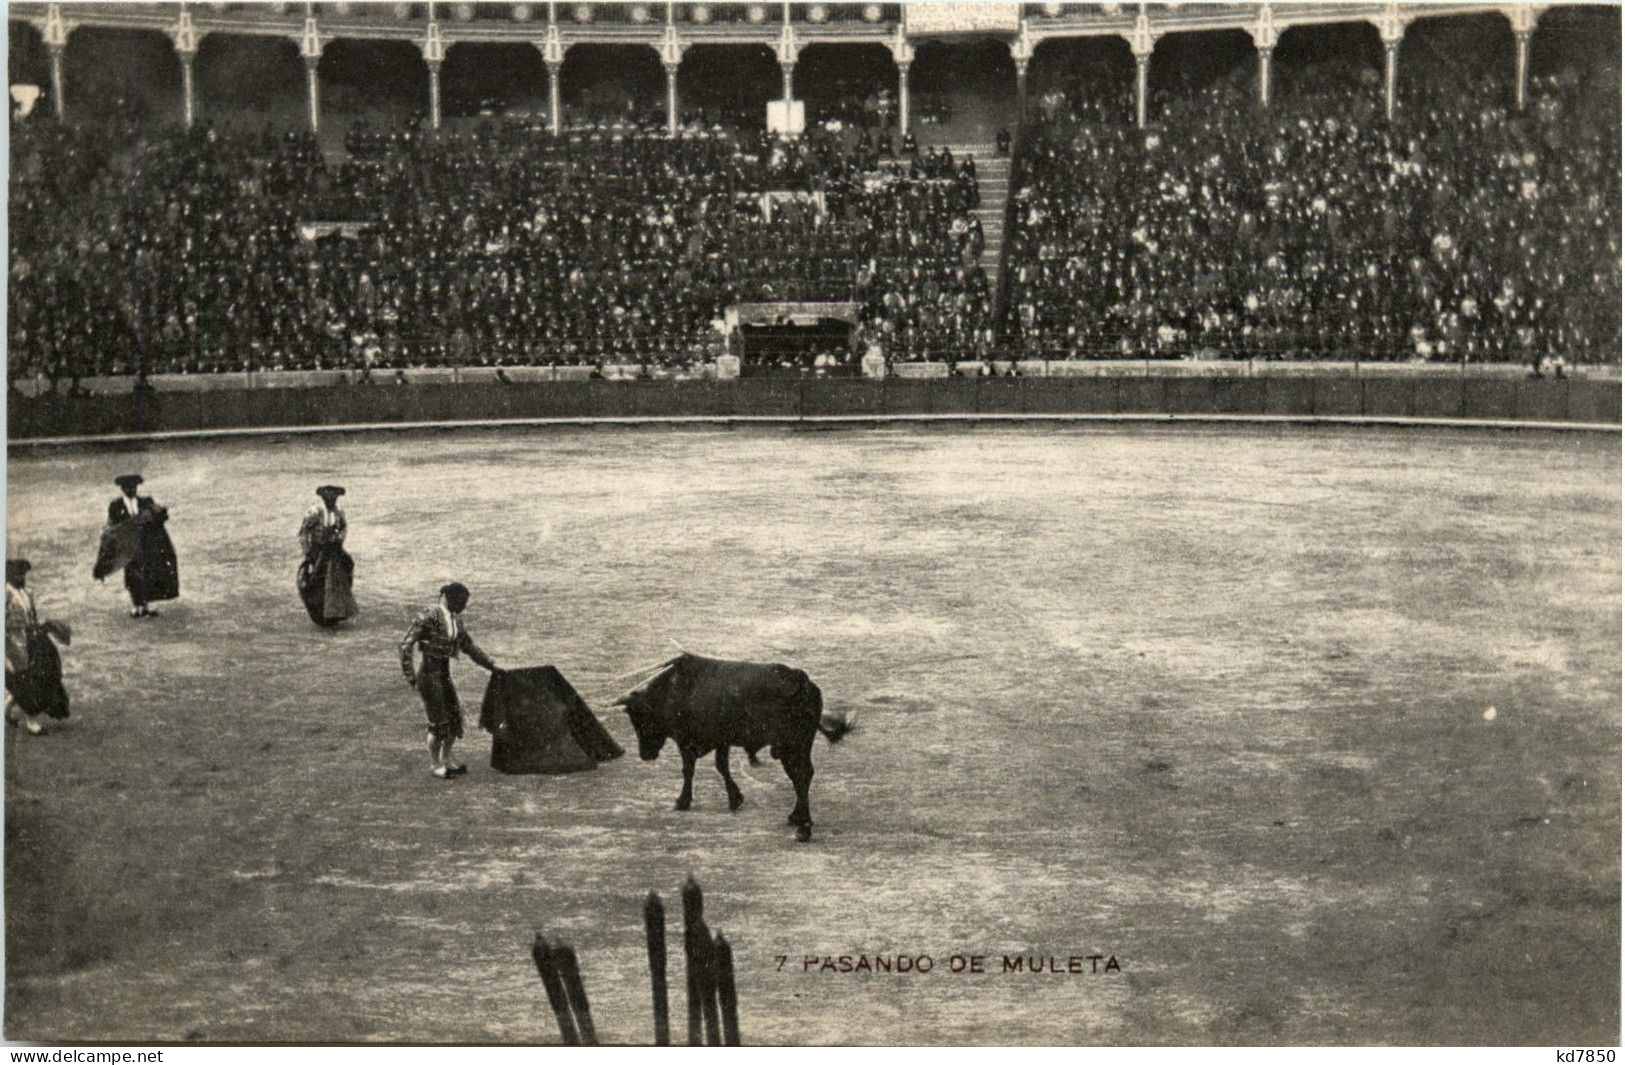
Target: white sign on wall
[(920, 20), (23, 99), (787, 120)]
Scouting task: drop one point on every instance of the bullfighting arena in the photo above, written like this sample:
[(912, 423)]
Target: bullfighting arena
[(1215, 702)]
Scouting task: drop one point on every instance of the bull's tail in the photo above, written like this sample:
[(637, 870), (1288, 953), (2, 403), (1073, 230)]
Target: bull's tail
[(831, 726)]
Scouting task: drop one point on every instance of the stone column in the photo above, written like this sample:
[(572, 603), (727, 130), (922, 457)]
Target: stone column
[(1390, 78), (1391, 28), (188, 92), (902, 53), (59, 102), (789, 69), (1142, 80), (671, 95), (1021, 89), (1142, 41), (310, 47), (1523, 18), (555, 98), (55, 34), (434, 93), (1522, 85), (313, 89), (902, 98), (1265, 37), (433, 47)]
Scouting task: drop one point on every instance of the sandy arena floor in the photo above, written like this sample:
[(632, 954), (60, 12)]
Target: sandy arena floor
[(1210, 701)]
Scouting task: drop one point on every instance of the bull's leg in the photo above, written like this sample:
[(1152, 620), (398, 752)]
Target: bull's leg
[(685, 798), (800, 772), (736, 798)]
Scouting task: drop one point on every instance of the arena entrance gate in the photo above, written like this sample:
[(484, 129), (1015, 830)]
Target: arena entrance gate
[(786, 338)]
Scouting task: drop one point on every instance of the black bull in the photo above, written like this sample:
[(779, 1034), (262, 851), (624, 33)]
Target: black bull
[(706, 704)]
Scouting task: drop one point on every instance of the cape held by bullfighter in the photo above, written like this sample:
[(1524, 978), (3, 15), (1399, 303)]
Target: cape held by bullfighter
[(705, 704), (135, 541)]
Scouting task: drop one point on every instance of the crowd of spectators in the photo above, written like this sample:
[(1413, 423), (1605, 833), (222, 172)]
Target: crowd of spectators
[(500, 245), (1461, 231)]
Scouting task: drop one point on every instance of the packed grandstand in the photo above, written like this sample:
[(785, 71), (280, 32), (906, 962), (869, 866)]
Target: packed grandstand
[(1462, 227)]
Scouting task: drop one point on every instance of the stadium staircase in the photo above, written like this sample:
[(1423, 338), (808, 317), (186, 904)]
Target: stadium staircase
[(993, 182)]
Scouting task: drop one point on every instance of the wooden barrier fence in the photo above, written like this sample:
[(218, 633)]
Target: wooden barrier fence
[(712, 999), (1578, 400)]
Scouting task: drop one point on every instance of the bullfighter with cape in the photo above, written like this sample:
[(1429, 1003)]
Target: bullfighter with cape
[(326, 573), (136, 542), (33, 667)]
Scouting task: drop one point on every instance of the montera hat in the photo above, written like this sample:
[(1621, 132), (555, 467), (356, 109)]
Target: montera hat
[(456, 595)]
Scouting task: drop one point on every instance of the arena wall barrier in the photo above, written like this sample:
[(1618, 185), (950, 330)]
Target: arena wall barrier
[(1127, 395), (1001, 395), (906, 396), (953, 396), (1493, 399), (1437, 397), (1543, 400), (1338, 395), (1490, 398), (1187, 395), (766, 397), (1593, 401), (1392, 397), (853, 397)]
